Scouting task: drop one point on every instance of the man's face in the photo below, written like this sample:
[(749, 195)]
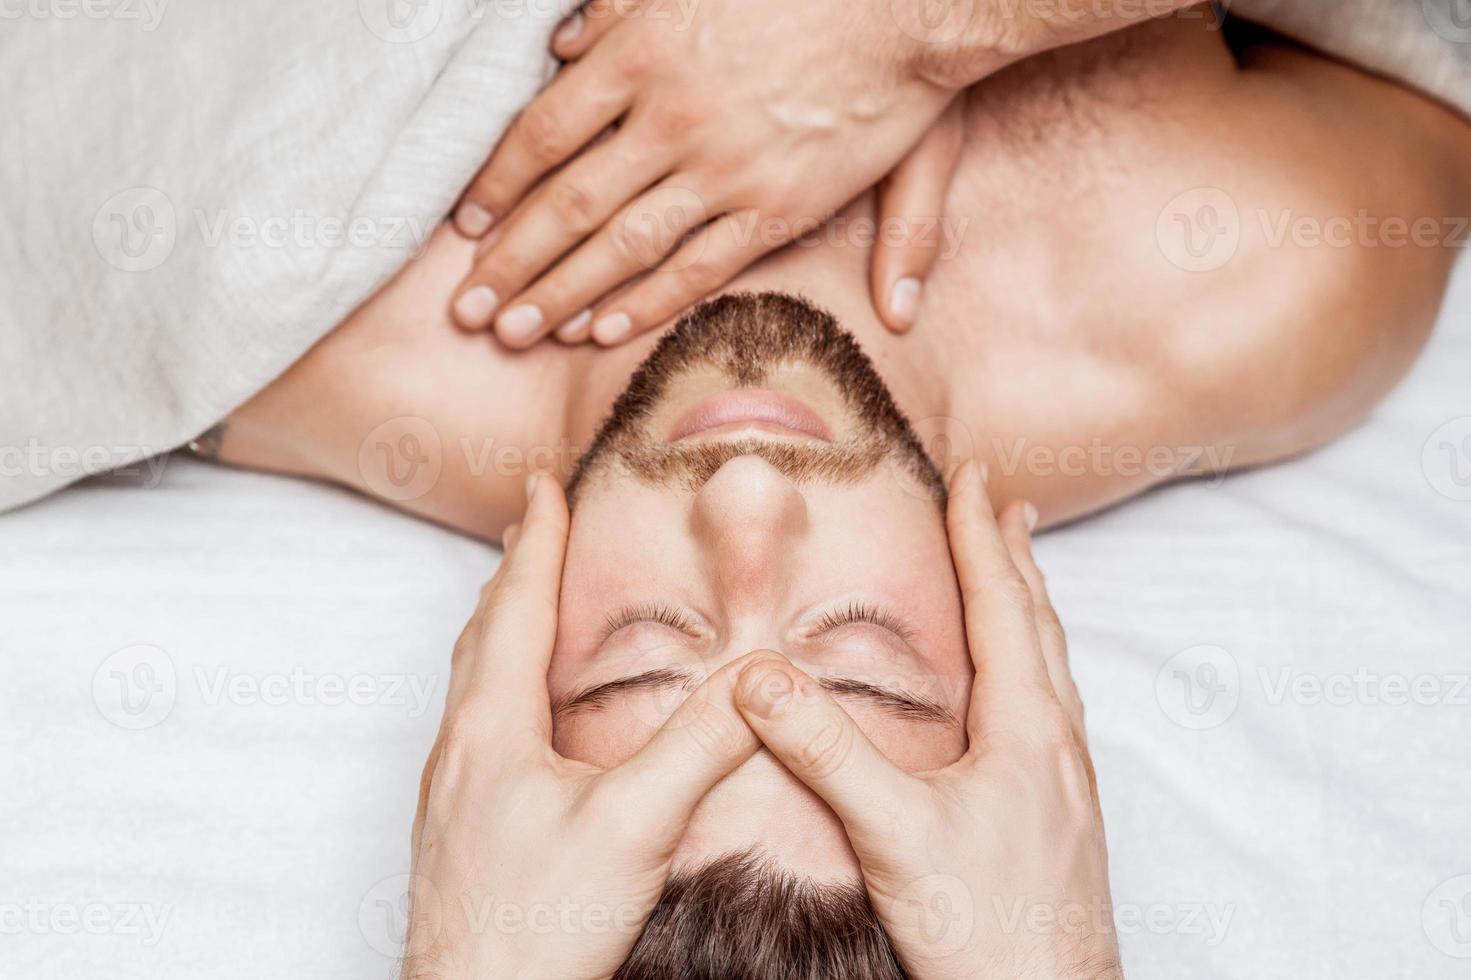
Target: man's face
[(755, 488)]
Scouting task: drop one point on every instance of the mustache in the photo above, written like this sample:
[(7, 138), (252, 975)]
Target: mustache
[(691, 466)]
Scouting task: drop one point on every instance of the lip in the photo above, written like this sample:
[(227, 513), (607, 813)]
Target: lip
[(759, 409)]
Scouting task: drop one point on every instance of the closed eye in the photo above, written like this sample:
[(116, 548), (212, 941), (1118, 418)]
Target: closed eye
[(649, 612), (862, 612)]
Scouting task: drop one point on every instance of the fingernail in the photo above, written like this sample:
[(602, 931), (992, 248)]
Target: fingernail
[(575, 331), (768, 691), (612, 328), (1029, 514), (532, 479), (473, 220), (474, 309), (569, 30), (520, 322), (904, 300)]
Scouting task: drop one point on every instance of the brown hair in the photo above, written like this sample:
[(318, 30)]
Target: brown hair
[(740, 918)]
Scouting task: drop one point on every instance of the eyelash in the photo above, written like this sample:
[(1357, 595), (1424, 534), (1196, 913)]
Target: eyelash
[(648, 612), (858, 612), (853, 612)]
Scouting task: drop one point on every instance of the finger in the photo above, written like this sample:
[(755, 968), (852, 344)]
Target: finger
[(576, 330), (701, 743), (1000, 629), (518, 618), (820, 744), (580, 102), (712, 257), (911, 205), (1017, 524), (588, 24), (634, 241), (562, 213)]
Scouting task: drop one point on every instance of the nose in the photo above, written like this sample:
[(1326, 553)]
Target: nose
[(748, 519)]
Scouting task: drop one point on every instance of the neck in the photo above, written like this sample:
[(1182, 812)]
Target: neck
[(835, 277)]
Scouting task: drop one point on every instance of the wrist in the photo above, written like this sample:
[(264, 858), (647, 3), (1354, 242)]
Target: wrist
[(968, 42)]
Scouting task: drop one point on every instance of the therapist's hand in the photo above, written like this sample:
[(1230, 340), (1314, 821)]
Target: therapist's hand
[(740, 125), (995, 866), (527, 864)]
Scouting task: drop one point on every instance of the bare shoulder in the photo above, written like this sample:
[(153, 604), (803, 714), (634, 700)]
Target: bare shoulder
[(1184, 246)]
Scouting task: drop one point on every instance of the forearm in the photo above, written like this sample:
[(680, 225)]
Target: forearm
[(976, 39)]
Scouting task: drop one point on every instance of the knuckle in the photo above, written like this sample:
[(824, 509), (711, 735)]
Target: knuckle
[(575, 205), (543, 132), (670, 122), (714, 732), (826, 752), (702, 278), (637, 239), (1012, 589)]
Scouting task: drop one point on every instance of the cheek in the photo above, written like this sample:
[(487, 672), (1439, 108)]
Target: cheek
[(913, 746), (605, 738)]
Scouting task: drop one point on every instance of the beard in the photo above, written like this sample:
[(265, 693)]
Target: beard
[(746, 336)]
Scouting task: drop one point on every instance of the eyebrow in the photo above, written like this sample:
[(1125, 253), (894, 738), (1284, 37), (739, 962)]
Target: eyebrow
[(898, 702)]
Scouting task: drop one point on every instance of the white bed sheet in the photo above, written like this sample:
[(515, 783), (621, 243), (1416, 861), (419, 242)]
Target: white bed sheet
[(236, 837)]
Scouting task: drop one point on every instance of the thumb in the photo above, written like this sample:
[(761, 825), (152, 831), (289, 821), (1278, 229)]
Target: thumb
[(821, 745), (911, 205), (700, 743)]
